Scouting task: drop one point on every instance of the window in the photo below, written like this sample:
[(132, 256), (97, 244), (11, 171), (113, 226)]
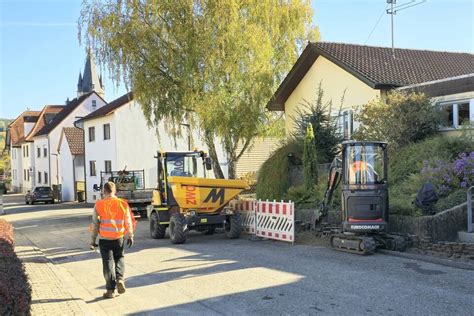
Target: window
[(23, 150), (28, 174), (92, 170), (108, 166), (106, 131), (92, 134), (365, 164), (27, 151), (463, 113), (94, 103), (45, 178), (38, 152), (39, 177), (456, 114), (24, 174)]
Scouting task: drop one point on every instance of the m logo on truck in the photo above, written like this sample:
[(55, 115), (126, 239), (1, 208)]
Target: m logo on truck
[(215, 196)]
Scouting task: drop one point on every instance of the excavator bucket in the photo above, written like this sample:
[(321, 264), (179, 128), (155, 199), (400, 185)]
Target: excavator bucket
[(204, 195)]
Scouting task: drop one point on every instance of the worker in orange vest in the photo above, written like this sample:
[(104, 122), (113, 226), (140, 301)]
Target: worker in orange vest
[(111, 220)]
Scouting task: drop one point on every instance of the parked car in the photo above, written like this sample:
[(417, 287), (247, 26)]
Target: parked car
[(39, 194)]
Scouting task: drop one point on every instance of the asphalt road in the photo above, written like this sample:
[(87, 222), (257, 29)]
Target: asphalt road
[(211, 275)]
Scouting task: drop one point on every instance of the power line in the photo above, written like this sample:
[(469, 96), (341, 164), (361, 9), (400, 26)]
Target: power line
[(394, 9), (376, 24)]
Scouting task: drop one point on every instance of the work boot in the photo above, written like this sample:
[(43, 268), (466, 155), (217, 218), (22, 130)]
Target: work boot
[(121, 286), (109, 294)]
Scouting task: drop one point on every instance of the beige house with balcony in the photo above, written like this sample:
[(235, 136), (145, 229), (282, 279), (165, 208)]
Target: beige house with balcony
[(362, 73)]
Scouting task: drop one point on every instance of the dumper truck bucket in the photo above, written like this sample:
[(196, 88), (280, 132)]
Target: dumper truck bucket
[(204, 195)]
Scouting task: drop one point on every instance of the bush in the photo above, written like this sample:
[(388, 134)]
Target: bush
[(400, 119), (273, 176), (15, 291), (430, 160), (449, 177), (410, 159)]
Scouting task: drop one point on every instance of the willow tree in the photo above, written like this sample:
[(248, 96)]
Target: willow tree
[(214, 64)]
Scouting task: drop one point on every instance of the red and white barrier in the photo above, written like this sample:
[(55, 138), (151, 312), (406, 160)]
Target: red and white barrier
[(276, 220), (268, 219)]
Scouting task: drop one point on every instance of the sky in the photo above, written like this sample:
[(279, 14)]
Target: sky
[(40, 55)]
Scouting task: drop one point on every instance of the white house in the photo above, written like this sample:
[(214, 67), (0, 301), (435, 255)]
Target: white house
[(17, 130), (47, 138), (117, 136), (31, 153), (71, 162)]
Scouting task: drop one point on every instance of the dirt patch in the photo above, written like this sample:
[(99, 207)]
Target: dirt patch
[(310, 238)]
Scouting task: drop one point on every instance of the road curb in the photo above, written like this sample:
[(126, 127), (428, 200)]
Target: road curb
[(440, 261)]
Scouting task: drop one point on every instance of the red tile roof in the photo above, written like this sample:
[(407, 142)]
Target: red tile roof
[(48, 112), (68, 109), (75, 139), (376, 66), (16, 128)]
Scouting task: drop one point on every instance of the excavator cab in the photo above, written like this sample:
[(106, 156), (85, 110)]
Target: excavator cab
[(364, 186)]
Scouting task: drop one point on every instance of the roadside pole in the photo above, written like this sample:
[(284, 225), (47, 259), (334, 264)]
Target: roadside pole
[(2, 211)]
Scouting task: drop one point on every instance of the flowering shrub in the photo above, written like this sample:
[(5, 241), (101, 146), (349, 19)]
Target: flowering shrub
[(451, 176), (15, 291)]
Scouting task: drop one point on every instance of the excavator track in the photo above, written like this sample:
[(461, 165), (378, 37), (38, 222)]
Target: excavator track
[(360, 245)]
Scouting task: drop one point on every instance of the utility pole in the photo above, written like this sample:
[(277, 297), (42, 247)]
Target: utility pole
[(394, 9)]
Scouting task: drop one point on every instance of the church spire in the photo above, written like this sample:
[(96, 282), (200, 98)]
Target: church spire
[(90, 81)]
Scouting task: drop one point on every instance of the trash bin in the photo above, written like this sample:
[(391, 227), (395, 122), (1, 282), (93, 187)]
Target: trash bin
[(81, 196)]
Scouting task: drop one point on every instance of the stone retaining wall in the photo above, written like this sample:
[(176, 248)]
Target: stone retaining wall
[(443, 226)]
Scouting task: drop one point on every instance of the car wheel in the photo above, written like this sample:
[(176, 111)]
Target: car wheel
[(26, 202), (32, 202)]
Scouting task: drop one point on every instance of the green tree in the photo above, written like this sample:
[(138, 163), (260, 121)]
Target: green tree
[(317, 113), (400, 119), (214, 64), (310, 160)]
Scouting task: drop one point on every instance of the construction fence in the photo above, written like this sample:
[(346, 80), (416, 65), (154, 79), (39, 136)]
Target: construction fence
[(268, 219)]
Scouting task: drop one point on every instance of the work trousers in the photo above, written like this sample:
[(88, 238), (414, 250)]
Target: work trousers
[(112, 261)]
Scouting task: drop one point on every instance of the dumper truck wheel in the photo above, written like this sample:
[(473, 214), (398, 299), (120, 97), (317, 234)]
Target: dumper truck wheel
[(177, 228), (143, 214), (233, 228), (157, 231)]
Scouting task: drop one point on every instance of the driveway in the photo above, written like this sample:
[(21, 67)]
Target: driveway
[(213, 275)]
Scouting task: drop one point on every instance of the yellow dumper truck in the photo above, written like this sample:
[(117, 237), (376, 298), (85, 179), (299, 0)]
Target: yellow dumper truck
[(187, 199)]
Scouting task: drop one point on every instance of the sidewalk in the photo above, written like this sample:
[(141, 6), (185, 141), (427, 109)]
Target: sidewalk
[(50, 295)]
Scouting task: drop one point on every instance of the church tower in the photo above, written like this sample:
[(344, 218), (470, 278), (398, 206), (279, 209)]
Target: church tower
[(89, 80)]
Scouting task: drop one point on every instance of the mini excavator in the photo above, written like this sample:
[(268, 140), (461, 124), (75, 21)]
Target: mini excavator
[(362, 169)]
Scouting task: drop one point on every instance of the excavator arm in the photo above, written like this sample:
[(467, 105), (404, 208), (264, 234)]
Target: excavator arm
[(334, 178)]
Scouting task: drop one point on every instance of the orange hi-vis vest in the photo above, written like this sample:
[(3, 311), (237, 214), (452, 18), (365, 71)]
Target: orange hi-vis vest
[(360, 166), (112, 215)]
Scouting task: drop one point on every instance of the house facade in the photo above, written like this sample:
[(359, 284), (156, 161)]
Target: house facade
[(358, 74), (71, 163), (48, 137), (17, 131), (117, 137)]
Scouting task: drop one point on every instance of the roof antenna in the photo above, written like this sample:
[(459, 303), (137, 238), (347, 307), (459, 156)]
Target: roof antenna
[(394, 9)]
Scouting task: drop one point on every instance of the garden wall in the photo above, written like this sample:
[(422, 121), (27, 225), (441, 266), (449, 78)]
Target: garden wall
[(443, 226)]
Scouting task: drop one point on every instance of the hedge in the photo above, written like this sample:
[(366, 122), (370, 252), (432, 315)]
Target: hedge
[(15, 291)]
